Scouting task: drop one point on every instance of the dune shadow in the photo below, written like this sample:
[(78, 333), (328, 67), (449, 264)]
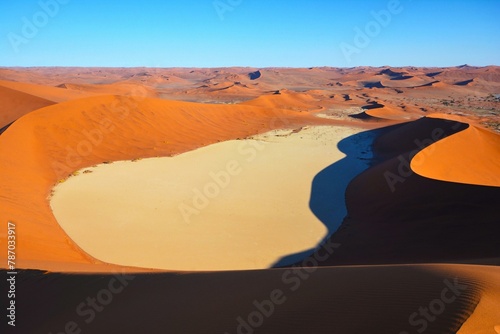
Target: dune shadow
[(464, 83), (327, 199), (2, 130), (376, 84)]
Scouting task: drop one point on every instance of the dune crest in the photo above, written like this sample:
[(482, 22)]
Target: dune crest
[(471, 156), (14, 104)]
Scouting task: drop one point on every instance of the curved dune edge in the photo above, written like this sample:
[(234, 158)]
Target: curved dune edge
[(392, 113), (14, 104), (471, 156), (47, 145), (50, 93), (403, 217), (486, 316), (419, 221)]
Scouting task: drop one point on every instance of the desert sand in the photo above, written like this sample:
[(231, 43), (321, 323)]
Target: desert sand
[(239, 204), (380, 233)]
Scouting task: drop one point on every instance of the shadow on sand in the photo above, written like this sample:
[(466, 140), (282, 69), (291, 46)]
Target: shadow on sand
[(327, 200)]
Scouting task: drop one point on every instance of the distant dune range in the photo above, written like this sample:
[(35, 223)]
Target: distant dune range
[(423, 218)]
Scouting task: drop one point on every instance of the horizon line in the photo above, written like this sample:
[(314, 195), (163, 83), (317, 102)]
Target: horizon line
[(246, 66)]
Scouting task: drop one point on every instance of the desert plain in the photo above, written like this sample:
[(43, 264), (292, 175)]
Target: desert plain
[(246, 200)]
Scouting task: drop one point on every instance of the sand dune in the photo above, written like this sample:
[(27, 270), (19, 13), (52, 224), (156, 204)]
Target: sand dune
[(54, 94), (408, 82), (430, 196), (322, 300), (14, 104), (471, 156), (390, 207), (393, 113), (118, 88), (285, 99)]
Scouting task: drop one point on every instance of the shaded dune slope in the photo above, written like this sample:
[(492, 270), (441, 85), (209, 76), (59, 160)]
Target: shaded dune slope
[(323, 301), (398, 216)]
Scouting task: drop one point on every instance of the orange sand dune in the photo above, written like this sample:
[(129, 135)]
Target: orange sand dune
[(392, 113), (471, 156), (285, 99), (54, 94), (418, 204), (118, 88), (228, 87), (88, 131), (221, 91), (407, 83), (463, 73), (14, 104)]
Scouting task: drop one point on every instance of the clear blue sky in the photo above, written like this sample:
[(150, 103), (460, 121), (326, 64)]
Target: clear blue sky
[(257, 33)]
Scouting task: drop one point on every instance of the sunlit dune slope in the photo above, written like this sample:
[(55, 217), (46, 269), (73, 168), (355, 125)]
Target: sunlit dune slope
[(285, 99), (47, 145), (55, 94), (118, 88), (392, 113), (14, 104), (471, 156)]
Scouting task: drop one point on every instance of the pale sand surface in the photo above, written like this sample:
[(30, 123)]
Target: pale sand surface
[(149, 213)]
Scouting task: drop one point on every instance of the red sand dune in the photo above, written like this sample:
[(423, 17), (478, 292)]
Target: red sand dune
[(118, 88), (393, 113), (14, 104), (285, 99), (471, 156)]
